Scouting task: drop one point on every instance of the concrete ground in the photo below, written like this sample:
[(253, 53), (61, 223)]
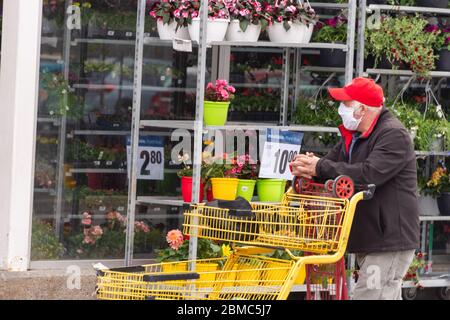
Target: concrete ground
[(48, 285)]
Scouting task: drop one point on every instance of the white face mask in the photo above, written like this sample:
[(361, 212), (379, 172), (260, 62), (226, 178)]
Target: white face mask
[(348, 120)]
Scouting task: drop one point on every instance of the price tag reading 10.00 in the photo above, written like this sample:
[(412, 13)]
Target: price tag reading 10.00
[(279, 150), (150, 158)]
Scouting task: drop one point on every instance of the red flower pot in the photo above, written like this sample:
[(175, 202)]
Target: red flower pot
[(209, 195), (186, 189)]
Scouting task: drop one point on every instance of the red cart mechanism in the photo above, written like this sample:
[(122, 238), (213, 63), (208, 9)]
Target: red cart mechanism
[(342, 187)]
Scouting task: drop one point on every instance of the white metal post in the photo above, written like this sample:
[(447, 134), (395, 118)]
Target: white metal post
[(350, 40), (198, 125), (19, 87), (135, 126)]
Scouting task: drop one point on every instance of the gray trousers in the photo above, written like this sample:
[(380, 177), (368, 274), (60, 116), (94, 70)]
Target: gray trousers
[(381, 274)]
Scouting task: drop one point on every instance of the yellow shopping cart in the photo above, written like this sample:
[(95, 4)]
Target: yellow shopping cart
[(319, 225)]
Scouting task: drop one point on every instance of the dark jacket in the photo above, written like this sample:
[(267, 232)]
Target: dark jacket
[(384, 156)]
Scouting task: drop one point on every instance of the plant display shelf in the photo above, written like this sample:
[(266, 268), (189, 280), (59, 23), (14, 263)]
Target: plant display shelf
[(130, 87), (407, 9), (197, 125)]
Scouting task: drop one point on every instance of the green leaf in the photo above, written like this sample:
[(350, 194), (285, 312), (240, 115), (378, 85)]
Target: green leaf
[(243, 24)]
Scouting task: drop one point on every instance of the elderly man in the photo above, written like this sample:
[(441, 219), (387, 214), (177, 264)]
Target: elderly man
[(374, 148)]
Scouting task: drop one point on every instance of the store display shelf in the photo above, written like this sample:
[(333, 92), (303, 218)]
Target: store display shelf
[(433, 74), (322, 69), (430, 281), (94, 170), (327, 5), (147, 41), (187, 124), (100, 132), (310, 45), (432, 153), (51, 120), (258, 85), (434, 218), (130, 87), (406, 9), (162, 200), (45, 190)]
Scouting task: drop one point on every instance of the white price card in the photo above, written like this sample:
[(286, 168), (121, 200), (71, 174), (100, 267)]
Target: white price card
[(279, 150), (150, 158)]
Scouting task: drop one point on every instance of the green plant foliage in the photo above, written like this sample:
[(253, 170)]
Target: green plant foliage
[(332, 30), (44, 244), (402, 39)]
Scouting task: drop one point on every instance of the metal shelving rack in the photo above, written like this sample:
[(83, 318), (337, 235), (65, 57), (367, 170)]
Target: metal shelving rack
[(197, 125)]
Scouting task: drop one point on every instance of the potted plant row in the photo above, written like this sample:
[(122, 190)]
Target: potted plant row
[(285, 21), (227, 177)]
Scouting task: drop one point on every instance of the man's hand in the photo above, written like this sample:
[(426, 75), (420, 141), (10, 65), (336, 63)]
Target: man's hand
[(304, 165)]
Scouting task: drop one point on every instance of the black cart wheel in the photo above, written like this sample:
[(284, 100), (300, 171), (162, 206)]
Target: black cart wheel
[(443, 293), (409, 293)]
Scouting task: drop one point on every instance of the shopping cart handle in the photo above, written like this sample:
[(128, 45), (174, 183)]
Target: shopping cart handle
[(368, 194), (171, 277)]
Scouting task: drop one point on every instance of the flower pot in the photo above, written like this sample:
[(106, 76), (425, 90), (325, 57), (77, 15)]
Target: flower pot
[(167, 31), (432, 3), (207, 272), (251, 34), (443, 62), (224, 188), (332, 58), (298, 33), (215, 113), (443, 202), (428, 206), (246, 189), (215, 30), (209, 194), (171, 267), (186, 189), (270, 190)]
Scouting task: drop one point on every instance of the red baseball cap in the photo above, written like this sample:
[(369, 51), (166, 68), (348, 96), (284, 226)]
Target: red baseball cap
[(363, 90)]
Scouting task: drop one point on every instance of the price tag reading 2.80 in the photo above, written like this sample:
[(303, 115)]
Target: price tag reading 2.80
[(279, 150), (150, 158)]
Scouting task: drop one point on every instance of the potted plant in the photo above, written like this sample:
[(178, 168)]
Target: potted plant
[(44, 243), (174, 258), (218, 19), (217, 102), (166, 21), (417, 266), (401, 41), (222, 178), (439, 187), (246, 20), (443, 48), (247, 172), (186, 179), (270, 190), (333, 30), (290, 21)]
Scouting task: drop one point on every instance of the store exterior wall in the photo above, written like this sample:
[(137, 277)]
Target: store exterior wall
[(18, 92)]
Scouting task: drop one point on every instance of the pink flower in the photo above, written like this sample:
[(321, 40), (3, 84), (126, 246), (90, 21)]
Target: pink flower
[(194, 14), (153, 14), (96, 231), (291, 9), (175, 239), (177, 13), (224, 94), (221, 83), (210, 86), (185, 14), (230, 89), (87, 221), (244, 12), (280, 18)]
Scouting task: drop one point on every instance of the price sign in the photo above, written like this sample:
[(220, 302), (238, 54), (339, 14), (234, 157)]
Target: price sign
[(279, 150), (150, 158)]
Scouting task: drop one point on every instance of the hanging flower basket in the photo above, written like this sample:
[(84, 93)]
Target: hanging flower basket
[(215, 30), (235, 33), (297, 33), (167, 31)]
